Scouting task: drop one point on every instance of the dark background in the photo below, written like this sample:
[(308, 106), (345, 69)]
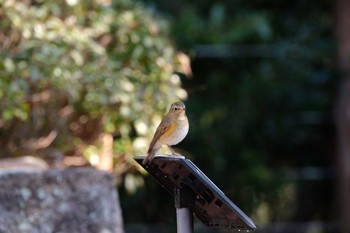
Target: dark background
[(260, 107)]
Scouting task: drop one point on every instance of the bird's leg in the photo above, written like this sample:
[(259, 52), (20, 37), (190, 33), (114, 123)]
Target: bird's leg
[(172, 150)]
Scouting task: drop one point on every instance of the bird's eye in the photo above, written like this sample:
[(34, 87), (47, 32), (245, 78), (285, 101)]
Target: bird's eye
[(176, 109)]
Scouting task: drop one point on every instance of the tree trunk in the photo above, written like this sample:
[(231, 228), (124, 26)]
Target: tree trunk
[(342, 31), (106, 157)]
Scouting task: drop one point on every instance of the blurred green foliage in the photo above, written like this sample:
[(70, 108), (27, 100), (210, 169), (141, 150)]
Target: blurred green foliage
[(72, 70)]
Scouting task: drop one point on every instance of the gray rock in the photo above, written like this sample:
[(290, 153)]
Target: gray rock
[(81, 200)]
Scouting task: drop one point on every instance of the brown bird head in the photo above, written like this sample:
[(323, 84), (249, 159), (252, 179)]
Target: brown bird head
[(178, 109)]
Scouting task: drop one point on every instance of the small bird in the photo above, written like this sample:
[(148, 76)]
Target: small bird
[(171, 130)]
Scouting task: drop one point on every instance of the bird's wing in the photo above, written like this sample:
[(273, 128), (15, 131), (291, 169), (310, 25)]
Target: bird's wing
[(161, 129)]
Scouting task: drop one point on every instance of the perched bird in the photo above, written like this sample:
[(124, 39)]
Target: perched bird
[(171, 130)]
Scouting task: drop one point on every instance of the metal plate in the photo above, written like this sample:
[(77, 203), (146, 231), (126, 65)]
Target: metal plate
[(211, 206)]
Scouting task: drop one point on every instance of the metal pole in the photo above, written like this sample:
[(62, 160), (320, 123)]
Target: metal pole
[(184, 214), (184, 217)]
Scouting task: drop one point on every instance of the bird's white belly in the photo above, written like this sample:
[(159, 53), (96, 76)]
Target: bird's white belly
[(176, 137)]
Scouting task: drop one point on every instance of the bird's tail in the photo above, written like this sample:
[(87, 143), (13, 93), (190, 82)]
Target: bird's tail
[(150, 154)]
